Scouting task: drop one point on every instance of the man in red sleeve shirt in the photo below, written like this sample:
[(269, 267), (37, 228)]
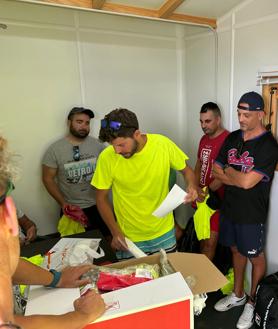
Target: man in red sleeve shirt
[(209, 146)]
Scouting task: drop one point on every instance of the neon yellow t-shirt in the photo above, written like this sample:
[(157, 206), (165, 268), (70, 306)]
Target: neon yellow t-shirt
[(139, 185)]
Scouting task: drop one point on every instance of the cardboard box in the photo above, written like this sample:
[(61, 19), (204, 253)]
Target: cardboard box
[(164, 303)]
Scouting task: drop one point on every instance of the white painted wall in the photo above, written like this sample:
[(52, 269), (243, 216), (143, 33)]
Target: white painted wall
[(246, 41), (200, 84), (52, 59)]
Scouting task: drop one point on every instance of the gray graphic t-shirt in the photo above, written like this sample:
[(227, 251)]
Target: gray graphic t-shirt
[(74, 177)]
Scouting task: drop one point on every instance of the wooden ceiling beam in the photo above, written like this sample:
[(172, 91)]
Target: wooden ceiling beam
[(137, 11), (123, 9), (98, 4), (74, 3), (168, 8)]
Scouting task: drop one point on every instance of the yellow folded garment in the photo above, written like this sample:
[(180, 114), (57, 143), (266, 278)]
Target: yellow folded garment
[(202, 219), (229, 287), (37, 260), (68, 226)]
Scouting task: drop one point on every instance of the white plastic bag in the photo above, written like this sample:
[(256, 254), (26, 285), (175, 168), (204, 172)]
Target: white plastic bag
[(84, 252), (72, 252)]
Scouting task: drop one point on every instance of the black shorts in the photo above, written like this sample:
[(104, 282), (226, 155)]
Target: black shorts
[(248, 238), (96, 221)]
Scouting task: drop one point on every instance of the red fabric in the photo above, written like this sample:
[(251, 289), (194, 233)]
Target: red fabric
[(214, 221), (77, 214), (109, 282), (207, 153)]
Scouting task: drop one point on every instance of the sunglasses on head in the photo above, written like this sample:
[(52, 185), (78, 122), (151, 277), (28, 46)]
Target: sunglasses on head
[(76, 153), (10, 187), (114, 125), (239, 149)]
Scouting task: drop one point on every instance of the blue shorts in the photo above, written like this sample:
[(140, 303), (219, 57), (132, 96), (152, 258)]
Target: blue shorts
[(248, 238), (166, 241)]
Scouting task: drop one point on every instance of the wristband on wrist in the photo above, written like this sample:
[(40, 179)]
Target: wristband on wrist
[(56, 278), (9, 325)]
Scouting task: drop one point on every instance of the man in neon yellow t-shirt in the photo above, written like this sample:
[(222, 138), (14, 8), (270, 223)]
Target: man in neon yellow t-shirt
[(136, 167)]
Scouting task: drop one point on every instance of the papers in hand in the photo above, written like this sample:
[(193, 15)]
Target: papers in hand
[(134, 250), (174, 198)]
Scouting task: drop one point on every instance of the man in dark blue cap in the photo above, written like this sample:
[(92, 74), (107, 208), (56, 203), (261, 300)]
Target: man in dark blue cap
[(68, 167), (246, 164)]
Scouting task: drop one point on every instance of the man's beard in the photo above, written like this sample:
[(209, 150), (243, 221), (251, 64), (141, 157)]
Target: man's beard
[(79, 134), (133, 150)]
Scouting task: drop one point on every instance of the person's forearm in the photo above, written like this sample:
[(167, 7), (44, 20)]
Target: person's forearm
[(242, 179), (106, 212), (54, 191), (86, 310), (234, 176), (25, 223), (30, 274), (189, 177), (6, 298), (71, 320), (219, 174), (197, 171), (215, 184)]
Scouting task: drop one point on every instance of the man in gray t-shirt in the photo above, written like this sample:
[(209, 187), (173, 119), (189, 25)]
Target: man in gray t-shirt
[(68, 167)]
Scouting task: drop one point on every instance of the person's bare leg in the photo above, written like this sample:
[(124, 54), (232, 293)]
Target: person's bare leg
[(208, 246), (239, 265), (258, 272), (178, 231)]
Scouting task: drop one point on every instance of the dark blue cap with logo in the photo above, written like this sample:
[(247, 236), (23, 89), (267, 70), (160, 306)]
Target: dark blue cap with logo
[(254, 101)]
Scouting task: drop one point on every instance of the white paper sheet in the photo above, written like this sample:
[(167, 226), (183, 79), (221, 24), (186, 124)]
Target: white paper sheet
[(134, 250), (53, 301), (174, 198)]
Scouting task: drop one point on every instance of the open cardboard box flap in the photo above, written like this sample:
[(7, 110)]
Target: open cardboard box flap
[(208, 277)]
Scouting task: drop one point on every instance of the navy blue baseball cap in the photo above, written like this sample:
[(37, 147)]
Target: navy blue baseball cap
[(254, 100), (76, 110)]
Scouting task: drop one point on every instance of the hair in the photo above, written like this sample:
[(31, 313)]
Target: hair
[(129, 123), (210, 106), (7, 170)]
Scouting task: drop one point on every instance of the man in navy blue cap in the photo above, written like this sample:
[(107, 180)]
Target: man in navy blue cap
[(68, 167), (246, 164)]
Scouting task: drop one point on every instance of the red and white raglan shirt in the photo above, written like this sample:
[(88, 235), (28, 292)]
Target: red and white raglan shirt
[(207, 153)]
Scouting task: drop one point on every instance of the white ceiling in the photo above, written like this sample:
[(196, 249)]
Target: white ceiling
[(207, 8)]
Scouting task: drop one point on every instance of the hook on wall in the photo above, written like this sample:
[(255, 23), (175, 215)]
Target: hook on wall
[(3, 26)]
